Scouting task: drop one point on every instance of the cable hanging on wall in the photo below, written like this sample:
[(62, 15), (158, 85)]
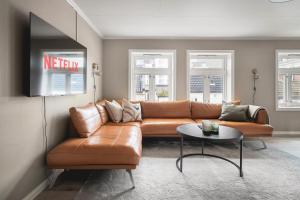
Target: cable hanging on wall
[(45, 136)]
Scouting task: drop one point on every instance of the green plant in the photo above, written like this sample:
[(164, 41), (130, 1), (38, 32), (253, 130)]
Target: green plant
[(163, 93)]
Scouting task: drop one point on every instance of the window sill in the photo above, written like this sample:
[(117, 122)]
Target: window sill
[(295, 109)]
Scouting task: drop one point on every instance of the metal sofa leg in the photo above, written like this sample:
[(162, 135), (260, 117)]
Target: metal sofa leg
[(131, 177), (264, 146)]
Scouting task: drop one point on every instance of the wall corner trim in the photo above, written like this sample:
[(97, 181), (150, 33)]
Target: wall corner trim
[(85, 17), (37, 190)]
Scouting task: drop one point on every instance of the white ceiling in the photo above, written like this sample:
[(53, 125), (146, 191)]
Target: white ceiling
[(193, 18)]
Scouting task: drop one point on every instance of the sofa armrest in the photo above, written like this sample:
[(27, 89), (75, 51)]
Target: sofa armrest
[(262, 117)]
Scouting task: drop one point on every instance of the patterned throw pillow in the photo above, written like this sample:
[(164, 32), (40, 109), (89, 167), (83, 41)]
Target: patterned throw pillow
[(131, 111), (114, 110)]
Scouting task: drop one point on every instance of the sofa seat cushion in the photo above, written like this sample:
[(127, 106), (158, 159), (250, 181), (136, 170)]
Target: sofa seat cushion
[(247, 128), (110, 145), (163, 127), (137, 124)]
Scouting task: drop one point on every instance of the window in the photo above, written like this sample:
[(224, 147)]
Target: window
[(151, 75), (210, 76), (288, 80)]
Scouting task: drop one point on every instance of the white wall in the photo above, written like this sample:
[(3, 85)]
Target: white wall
[(22, 157), (249, 54)]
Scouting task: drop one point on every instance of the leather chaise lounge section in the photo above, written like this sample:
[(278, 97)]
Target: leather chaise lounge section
[(106, 145), (102, 146)]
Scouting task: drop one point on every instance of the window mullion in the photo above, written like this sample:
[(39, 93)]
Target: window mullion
[(289, 87), (152, 87), (206, 89), (133, 85), (170, 78)]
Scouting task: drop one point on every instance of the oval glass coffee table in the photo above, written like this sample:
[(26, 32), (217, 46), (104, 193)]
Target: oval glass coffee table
[(226, 134)]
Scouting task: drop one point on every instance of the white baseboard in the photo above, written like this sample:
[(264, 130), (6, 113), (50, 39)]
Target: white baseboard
[(37, 190), (49, 182), (286, 133)]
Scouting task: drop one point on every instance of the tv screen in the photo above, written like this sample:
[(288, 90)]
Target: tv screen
[(58, 63)]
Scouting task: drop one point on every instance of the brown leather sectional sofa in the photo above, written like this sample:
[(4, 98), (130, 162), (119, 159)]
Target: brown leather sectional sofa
[(107, 145)]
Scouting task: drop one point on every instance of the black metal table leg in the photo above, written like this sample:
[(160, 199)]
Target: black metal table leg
[(180, 159), (181, 153), (241, 157)]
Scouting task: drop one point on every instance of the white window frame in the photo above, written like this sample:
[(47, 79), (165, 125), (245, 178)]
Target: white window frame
[(229, 94), (171, 72), (290, 51)]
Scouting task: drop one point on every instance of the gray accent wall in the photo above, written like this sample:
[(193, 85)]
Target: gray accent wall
[(22, 150), (249, 54)]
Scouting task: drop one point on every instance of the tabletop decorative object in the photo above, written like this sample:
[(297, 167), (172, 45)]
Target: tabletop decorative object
[(210, 127)]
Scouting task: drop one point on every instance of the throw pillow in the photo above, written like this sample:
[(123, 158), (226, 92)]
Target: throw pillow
[(131, 111), (114, 110), (231, 112)]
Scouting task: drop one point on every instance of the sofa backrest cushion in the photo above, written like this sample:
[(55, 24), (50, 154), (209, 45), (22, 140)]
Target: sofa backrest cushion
[(170, 109), (86, 119), (102, 110), (205, 110)]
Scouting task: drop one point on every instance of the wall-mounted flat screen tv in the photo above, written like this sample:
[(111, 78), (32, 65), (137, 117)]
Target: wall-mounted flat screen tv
[(58, 64)]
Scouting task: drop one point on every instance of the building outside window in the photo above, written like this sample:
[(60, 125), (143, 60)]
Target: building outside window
[(151, 75), (288, 80), (210, 76)]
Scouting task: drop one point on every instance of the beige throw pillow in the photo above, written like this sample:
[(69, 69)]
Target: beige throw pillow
[(114, 110), (131, 111)]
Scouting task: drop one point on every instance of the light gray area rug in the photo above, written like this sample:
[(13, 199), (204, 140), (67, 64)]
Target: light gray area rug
[(268, 174)]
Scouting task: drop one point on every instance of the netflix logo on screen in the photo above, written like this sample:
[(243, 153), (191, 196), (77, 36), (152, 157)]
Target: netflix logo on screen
[(55, 62)]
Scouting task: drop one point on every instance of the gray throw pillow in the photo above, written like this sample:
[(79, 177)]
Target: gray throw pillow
[(237, 113)]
